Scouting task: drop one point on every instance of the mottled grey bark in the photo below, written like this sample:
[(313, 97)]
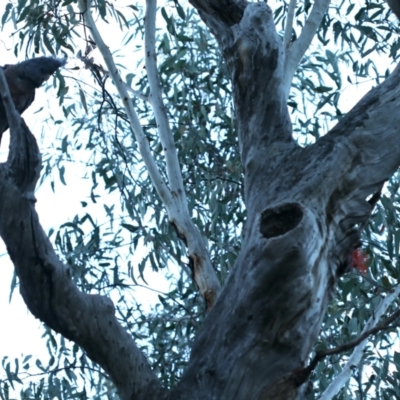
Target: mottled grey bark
[(305, 207), (46, 284)]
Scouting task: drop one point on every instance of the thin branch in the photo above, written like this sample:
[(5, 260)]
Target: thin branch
[(99, 71), (160, 113), (356, 356), (175, 201), (155, 175), (135, 92), (302, 375), (202, 271), (170, 297), (300, 46), (350, 345), (289, 24)]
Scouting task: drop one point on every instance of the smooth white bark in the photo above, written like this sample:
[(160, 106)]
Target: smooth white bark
[(172, 196), (155, 175), (296, 52), (160, 112)]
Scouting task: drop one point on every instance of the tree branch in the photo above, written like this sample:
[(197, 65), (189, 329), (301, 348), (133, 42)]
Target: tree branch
[(160, 113), (220, 16), (24, 159), (158, 182), (202, 270), (348, 346), (46, 284), (99, 71), (300, 46), (175, 201), (377, 141), (303, 374), (289, 24), (370, 328)]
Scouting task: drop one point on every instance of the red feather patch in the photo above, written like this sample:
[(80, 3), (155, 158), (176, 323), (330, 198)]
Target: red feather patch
[(360, 260)]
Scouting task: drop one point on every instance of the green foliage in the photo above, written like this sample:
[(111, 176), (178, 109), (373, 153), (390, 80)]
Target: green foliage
[(122, 231)]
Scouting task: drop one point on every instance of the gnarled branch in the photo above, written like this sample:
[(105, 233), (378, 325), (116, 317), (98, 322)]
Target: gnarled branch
[(46, 284)]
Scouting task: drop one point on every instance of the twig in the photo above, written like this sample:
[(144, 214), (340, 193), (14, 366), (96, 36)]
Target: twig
[(358, 344), (347, 346), (99, 71), (355, 357)]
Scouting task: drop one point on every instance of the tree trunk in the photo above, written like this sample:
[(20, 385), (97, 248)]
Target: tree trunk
[(305, 209)]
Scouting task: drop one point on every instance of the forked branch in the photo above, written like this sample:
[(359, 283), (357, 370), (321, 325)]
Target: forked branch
[(172, 195), (158, 181)]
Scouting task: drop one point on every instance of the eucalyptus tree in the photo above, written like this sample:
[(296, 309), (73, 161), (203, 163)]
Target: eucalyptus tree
[(228, 159)]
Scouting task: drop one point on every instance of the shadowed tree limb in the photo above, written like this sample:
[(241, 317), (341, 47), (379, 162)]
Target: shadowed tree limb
[(24, 160), (23, 80), (395, 7), (229, 12), (46, 284)]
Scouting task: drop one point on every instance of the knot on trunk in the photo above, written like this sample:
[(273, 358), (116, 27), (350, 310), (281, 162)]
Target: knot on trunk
[(279, 220)]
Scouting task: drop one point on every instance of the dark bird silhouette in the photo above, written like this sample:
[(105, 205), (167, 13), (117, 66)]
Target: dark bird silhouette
[(23, 79)]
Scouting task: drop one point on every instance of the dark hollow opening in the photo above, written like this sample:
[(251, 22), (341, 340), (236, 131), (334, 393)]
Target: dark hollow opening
[(279, 220)]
